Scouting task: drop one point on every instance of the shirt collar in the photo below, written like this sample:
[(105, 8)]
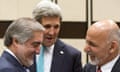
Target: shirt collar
[(11, 53), (108, 67), (50, 49)]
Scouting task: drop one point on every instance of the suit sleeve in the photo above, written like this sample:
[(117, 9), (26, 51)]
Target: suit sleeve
[(8, 70), (89, 68), (78, 64)]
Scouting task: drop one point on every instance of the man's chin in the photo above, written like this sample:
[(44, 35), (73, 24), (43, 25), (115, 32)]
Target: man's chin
[(29, 63), (95, 62), (48, 44)]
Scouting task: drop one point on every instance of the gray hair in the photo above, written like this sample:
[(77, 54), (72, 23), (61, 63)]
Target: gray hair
[(21, 29), (114, 35), (46, 8)]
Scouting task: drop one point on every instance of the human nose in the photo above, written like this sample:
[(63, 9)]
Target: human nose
[(51, 31), (87, 48), (37, 50)]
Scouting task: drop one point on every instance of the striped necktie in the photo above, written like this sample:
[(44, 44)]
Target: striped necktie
[(40, 63)]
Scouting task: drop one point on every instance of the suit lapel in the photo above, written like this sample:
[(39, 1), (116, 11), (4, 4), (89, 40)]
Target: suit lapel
[(116, 67), (13, 61), (58, 57), (93, 69)]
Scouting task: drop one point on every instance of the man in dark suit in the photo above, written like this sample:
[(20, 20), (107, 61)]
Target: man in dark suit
[(103, 46), (22, 39), (58, 56)]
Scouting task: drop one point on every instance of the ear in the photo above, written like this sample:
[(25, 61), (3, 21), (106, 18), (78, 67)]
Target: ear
[(15, 42), (114, 46)]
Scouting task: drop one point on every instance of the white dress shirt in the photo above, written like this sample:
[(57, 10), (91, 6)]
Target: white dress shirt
[(48, 54), (108, 67)]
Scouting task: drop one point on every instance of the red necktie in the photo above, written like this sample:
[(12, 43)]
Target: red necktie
[(99, 70)]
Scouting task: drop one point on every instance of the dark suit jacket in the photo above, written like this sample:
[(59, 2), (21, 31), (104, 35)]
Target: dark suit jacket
[(92, 68), (9, 64), (69, 61)]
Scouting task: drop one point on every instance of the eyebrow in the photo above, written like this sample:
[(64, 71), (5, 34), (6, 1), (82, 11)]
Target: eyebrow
[(36, 43), (91, 43), (48, 25)]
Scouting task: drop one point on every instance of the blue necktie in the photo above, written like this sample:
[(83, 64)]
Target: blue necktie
[(40, 63)]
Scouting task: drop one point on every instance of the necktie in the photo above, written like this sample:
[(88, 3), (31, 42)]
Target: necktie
[(99, 69), (40, 63)]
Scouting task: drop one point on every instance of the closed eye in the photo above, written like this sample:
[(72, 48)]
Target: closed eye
[(36, 44), (91, 43)]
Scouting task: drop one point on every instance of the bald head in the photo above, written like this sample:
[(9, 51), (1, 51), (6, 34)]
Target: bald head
[(105, 25), (103, 28), (102, 42)]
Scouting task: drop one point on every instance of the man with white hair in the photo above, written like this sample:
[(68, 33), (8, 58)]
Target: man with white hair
[(22, 39), (57, 56)]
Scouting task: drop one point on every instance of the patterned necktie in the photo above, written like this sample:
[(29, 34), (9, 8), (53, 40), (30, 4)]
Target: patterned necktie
[(40, 63), (99, 69)]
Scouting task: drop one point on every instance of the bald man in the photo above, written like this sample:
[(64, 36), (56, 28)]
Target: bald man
[(102, 47)]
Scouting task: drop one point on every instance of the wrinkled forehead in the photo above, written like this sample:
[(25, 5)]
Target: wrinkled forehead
[(97, 34), (100, 31)]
